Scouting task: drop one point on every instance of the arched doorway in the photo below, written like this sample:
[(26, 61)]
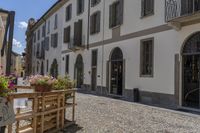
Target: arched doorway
[(54, 69), (78, 72), (116, 72), (191, 72)]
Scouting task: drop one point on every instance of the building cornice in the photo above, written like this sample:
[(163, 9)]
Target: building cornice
[(55, 7)]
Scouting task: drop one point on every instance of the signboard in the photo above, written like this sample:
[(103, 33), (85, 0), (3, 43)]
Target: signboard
[(7, 115)]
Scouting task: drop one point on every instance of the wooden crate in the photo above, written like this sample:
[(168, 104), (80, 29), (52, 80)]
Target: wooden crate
[(47, 113)]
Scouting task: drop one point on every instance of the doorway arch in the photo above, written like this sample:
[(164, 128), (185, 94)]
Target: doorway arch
[(191, 72), (54, 69), (78, 72), (116, 72)]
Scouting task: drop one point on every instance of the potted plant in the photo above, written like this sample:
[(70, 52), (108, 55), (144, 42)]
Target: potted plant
[(42, 83), (7, 115), (63, 83)]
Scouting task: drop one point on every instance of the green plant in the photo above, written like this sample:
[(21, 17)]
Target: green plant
[(63, 83)]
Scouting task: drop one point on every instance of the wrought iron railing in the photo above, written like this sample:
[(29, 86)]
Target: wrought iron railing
[(178, 8), (74, 45)]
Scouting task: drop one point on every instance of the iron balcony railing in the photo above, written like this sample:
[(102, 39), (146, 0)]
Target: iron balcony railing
[(75, 45), (179, 8)]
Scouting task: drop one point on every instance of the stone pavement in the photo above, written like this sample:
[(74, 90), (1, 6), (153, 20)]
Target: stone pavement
[(95, 114)]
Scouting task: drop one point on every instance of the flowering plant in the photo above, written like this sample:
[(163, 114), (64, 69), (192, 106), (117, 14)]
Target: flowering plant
[(6, 85), (63, 83), (42, 80)]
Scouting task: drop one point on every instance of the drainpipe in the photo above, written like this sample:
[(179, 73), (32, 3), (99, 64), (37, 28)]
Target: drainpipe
[(88, 26), (102, 74)]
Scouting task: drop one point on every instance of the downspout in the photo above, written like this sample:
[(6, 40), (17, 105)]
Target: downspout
[(102, 73), (88, 26)]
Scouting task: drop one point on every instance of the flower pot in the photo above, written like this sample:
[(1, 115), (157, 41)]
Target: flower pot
[(43, 88)]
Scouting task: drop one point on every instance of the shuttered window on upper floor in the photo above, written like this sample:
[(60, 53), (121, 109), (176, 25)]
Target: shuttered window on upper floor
[(147, 7), (95, 22), (56, 22), (43, 30), (68, 12), (80, 6), (116, 13), (38, 34), (47, 43), (67, 34), (78, 32), (54, 40), (48, 29), (95, 2)]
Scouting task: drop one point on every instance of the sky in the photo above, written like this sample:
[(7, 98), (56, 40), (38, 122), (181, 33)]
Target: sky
[(24, 9)]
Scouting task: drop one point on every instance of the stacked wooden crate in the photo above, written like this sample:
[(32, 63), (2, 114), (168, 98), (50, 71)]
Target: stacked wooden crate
[(48, 111)]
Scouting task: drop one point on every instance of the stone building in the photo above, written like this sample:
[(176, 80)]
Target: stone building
[(111, 47)]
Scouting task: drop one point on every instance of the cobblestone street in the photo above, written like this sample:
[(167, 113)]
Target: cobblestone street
[(95, 114)]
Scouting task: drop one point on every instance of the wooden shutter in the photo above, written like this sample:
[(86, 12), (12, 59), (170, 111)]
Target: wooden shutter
[(52, 40), (70, 11), (56, 40), (110, 16), (121, 11), (83, 5), (98, 22), (92, 24), (64, 36), (142, 8), (80, 32)]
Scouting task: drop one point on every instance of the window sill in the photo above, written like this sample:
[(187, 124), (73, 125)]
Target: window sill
[(146, 76), (148, 15), (115, 27), (95, 33)]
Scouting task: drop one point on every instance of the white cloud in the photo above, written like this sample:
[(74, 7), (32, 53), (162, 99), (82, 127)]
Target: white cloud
[(17, 43), (22, 25)]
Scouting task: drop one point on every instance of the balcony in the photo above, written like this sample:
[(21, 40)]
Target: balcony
[(179, 13), (76, 44)]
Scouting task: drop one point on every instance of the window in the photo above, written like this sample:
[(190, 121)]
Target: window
[(47, 43), (34, 37), (56, 22), (67, 35), (48, 29), (38, 50), (147, 7), (80, 6), (38, 34), (94, 57), (47, 66), (67, 64), (78, 33), (43, 30), (146, 58), (54, 40), (95, 2), (68, 12), (95, 23), (116, 13)]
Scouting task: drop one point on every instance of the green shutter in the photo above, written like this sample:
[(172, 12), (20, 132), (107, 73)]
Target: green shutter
[(110, 16), (121, 11), (98, 22)]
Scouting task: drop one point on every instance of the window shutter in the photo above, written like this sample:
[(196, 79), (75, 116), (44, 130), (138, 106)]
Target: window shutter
[(110, 16), (83, 5), (70, 11), (52, 40), (121, 11), (92, 3), (142, 8), (79, 32), (98, 22), (55, 40), (92, 24)]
